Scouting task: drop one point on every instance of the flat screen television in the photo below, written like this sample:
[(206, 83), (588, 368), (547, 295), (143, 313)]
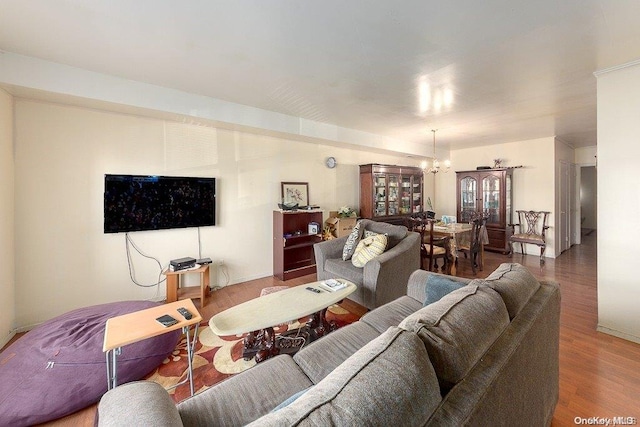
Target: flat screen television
[(138, 202)]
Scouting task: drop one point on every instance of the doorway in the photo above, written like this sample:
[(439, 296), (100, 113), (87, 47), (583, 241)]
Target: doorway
[(564, 218), (588, 200)]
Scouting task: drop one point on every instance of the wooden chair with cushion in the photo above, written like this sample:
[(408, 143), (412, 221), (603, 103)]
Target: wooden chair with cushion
[(432, 247), (531, 228), (473, 248)]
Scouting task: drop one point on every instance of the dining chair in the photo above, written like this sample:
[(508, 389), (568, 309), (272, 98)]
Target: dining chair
[(473, 247), (531, 228), (432, 247)]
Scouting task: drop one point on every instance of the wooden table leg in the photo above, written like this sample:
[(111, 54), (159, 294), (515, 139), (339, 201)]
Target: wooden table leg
[(204, 286), (172, 288), (250, 345), (269, 347), (319, 325)]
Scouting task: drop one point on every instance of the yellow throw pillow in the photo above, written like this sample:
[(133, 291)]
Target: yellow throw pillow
[(368, 249)]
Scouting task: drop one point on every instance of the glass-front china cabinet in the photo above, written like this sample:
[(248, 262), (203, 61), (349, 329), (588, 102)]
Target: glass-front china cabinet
[(489, 191), (390, 193)]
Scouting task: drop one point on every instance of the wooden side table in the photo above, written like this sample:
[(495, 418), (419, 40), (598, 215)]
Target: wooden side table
[(139, 325), (175, 292)]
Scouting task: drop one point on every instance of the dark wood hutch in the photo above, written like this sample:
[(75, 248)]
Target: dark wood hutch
[(390, 193), (489, 191)]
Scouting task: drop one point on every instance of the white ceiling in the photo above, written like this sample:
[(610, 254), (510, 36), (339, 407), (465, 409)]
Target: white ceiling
[(508, 70)]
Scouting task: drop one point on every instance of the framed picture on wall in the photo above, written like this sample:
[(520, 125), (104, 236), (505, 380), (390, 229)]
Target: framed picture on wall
[(295, 192)]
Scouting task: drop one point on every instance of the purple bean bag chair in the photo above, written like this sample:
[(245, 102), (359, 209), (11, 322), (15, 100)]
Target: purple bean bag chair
[(59, 368)]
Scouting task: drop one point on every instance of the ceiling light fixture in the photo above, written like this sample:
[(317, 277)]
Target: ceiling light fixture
[(435, 168)]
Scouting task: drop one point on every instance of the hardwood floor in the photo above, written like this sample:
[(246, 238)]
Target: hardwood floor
[(599, 373)]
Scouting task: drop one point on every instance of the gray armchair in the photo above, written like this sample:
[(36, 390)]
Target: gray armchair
[(382, 279)]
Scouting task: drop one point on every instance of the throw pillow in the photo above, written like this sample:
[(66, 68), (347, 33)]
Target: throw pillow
[(458, 330), (439, 286), (288, 401), (515, 284), (368, 249), (369, 233), (352, 241), (388, 382)]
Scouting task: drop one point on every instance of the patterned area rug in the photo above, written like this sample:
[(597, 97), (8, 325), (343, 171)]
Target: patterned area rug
[(217, 358)]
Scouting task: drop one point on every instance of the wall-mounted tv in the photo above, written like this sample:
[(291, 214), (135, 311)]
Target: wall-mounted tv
[(138, 202)]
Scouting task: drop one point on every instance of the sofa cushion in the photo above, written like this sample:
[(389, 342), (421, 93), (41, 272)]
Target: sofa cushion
[(321, 357), (368, 249), (515, 284), (395, 233), (245, 397), (439, 286), (416, 288), (391, 314), (392, 371), (336, 267), (458, 330), (352, 242)]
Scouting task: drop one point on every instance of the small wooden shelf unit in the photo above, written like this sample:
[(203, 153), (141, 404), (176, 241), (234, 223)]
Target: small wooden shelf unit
[(175, 292), (293, 256)]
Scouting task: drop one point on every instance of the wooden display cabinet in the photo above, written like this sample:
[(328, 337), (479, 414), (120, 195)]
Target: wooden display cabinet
[(293, 254), (390, 193), (490, 191)]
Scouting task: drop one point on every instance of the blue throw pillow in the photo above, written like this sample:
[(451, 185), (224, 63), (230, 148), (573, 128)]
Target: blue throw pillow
[(439, 286), (290, 399)]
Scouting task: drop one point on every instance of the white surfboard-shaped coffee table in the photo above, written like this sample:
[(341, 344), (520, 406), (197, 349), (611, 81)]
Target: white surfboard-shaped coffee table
[(258, 316)]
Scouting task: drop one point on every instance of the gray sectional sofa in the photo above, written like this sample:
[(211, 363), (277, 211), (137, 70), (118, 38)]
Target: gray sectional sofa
[(485, 354)]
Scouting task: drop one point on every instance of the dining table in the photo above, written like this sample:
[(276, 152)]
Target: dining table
[(460, 236)]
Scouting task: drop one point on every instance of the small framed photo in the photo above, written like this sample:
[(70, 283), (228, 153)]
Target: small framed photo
[(314, 228), (295, 192)]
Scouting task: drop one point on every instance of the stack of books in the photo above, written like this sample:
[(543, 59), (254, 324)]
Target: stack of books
[(333, 285)]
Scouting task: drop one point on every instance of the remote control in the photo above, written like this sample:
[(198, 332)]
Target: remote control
[(185, 313), (309, 288)]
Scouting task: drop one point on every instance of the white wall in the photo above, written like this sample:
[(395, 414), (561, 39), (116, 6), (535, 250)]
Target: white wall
[(618, 197), (533, 184), (63, 258), (7, 278), (76, 85), (585, 156)]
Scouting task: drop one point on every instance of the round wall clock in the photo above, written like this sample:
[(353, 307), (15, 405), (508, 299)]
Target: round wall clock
[(331, 162)]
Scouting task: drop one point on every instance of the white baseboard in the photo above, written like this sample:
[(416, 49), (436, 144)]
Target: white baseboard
[(5, 340), (248, 278), (618, 334), (26, 328)]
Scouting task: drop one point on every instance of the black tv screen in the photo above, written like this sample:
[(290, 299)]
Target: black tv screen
[(137, 202)]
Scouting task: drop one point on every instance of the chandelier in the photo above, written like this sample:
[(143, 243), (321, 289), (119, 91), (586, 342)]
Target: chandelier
[(435, 165)]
